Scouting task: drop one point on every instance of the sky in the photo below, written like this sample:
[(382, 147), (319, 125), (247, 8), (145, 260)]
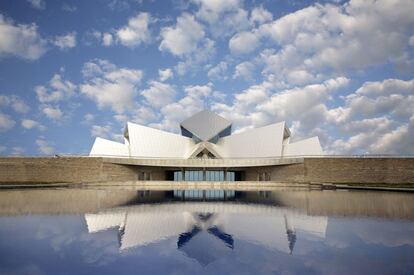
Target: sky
[(74, 70)]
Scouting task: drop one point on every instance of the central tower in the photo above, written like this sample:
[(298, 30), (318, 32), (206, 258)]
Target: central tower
[(205, 126)]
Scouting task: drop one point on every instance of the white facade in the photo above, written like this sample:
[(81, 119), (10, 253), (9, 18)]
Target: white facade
[(206, 135)]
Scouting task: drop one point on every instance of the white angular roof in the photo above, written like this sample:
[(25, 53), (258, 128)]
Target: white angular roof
[(205, 125), (206, 132), (265, 141)]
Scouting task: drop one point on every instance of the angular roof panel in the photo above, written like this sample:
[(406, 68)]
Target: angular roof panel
[(260, 142), (205, 125)]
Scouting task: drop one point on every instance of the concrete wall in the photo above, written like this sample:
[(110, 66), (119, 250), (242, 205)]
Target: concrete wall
[(62, 170)]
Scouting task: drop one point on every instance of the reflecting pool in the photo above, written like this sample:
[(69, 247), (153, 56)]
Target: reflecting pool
[(124, 231)]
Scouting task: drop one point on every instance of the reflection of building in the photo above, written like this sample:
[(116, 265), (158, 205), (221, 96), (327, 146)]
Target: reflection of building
[(206, 148), (206, 230), (205, 195)]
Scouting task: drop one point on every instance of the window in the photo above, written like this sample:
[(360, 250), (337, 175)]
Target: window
[(198, 175)]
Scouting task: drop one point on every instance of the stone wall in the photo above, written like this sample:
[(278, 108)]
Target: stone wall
[(341, 170), (155, 173), (359, 170), (281, 173), (25, 170), (16, 170)]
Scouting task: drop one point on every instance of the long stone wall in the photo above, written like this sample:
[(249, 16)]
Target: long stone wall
[(25, 170), (344, 170), (28, 170), (282, 173), (359, 170)]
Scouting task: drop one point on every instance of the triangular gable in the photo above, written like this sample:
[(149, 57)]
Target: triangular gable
[(203, 146)]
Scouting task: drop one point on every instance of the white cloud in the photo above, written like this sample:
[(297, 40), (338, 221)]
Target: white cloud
[(110, 86), (88, 118), (159, 94), (44, 147), (166, 74), (199, 91), (194, 61), (66, 41), (244, 70), (136, 32), (38, 4), (51, 112), (92, 37), (31, 124), (260, 15), (17, 104), (398, 141), (297, 101), (20, 40), (386, 87), (300, 77), (243, 42), (195, 99), (389, 97), (57, 90), (377, 118), (411, 41), (106, 131), (69, 8), (101, 131), (261, 104), (121, 118), (219, 71), (327, 36), (324, 41), (2, 149), (6, 122), (211, 8), (107, 39), (144, 115), (223, 17), (380, 137), (184, 37)]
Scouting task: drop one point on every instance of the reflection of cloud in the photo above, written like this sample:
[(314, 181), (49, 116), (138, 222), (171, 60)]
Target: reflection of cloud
[(26, 244), (28, 269), (379, 232), (61, 236), (100, 251)]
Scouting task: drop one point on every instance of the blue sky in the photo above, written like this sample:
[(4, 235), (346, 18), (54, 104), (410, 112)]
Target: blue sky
[(74, 70)]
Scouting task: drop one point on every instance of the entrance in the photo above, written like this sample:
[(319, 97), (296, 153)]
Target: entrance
[(204, 175)]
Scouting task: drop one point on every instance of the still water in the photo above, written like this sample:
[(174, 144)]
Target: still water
[(126, 231)]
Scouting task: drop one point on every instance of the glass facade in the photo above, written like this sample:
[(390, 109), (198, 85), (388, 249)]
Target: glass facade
[(198, 175)]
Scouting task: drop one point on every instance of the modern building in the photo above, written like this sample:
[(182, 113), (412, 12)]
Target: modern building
[(206, 148)]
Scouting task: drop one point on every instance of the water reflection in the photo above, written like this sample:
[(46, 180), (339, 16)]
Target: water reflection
[(205, 231), (218, 224)]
